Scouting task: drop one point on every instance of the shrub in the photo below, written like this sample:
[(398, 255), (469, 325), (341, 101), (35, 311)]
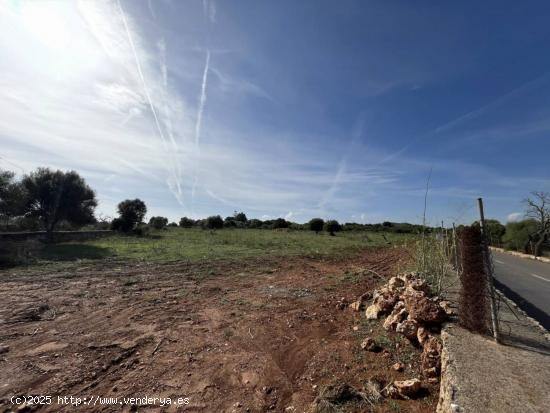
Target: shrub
[(229, 222), (186, 222), (172, 224), (158, 222), (254, 223), (214, 222), (316, 224), (280, 223), (333, 226)]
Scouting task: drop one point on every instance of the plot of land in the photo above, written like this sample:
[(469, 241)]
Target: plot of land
[(254, 334)]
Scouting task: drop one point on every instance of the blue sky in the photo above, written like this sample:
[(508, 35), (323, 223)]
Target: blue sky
[(283, 109)]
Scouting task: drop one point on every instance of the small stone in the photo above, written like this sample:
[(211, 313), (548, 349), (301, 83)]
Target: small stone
[(422, 335), (372, 312), (446, 306), (395, 284), (398, 366), (408, 388), (355, 328), (369, 344), (356, 305), (4, 348)]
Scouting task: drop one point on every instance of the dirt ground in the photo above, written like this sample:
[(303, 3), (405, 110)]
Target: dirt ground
[(254, 335)]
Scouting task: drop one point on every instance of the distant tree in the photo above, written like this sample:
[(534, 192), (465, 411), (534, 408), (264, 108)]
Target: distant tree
[(316, 224), (186, 222), (518, 235), (53, 196), (280, 223), (229, 222), (240, 217), (495, 231), (158, 222), (13, 197), (387, 224), (132, 212), (254, 223), (214, 222), (333, 226), (172, 224), (538, 208)]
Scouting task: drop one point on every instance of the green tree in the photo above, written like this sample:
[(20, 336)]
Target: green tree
[(186, 222), (13, 197), (158, 222), (332, 226), (495, 231), (518, 235), (54, 196), (214, 222), (280, 223), (316, 224), (131, 213), (240, 217), (254, 223)]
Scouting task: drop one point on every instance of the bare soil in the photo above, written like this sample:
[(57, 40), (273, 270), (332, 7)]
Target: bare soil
[(251, 335)]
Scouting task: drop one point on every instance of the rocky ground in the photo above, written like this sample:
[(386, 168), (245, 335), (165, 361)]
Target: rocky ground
[(254, 335)]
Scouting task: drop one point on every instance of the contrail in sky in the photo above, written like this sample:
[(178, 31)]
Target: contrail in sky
[(175, 188), (202, 100)]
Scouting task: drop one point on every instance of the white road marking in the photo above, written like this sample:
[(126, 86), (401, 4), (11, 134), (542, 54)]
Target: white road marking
[(500, 262), (542, 278)]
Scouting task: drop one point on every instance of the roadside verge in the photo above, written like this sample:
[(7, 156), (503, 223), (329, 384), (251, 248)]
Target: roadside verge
[(478, 375), (520, 254)]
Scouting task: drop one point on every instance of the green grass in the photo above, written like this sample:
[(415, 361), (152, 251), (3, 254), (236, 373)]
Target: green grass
[(174, 244)]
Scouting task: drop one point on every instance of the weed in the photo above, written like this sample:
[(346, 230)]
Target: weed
[(394, 405)]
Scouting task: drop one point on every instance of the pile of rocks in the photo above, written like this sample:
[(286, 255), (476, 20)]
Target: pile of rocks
[(415, 313)]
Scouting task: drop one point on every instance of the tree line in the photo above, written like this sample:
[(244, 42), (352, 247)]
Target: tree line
[(50, 200)]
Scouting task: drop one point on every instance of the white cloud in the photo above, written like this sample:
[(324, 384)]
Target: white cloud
[(514, 217)]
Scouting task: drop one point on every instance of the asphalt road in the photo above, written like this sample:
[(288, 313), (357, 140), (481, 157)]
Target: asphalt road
[(525, 281)]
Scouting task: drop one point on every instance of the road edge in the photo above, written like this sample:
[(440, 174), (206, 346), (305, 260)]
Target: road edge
[(521, 255)]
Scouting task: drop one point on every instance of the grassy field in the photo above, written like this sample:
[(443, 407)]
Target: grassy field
[(196, 244)]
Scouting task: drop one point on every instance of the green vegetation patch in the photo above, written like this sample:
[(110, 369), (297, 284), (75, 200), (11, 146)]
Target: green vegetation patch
[(192, 244)]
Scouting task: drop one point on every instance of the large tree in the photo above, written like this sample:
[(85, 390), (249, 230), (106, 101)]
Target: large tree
[(54, 196), (538, 208), (12, 197), (316, 224), (132, 212)]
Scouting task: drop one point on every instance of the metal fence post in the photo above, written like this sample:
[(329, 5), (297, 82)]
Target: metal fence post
[(488, 270)]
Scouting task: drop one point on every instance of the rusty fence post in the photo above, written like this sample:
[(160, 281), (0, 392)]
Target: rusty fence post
[(488, 270)]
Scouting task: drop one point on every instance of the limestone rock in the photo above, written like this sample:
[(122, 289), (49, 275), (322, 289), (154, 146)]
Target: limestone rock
[(408, 388), (408, 328), (372, 312), (398, 314), (395, 284), (422, 335), (385, 299), (424, 310), (431, 357)]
